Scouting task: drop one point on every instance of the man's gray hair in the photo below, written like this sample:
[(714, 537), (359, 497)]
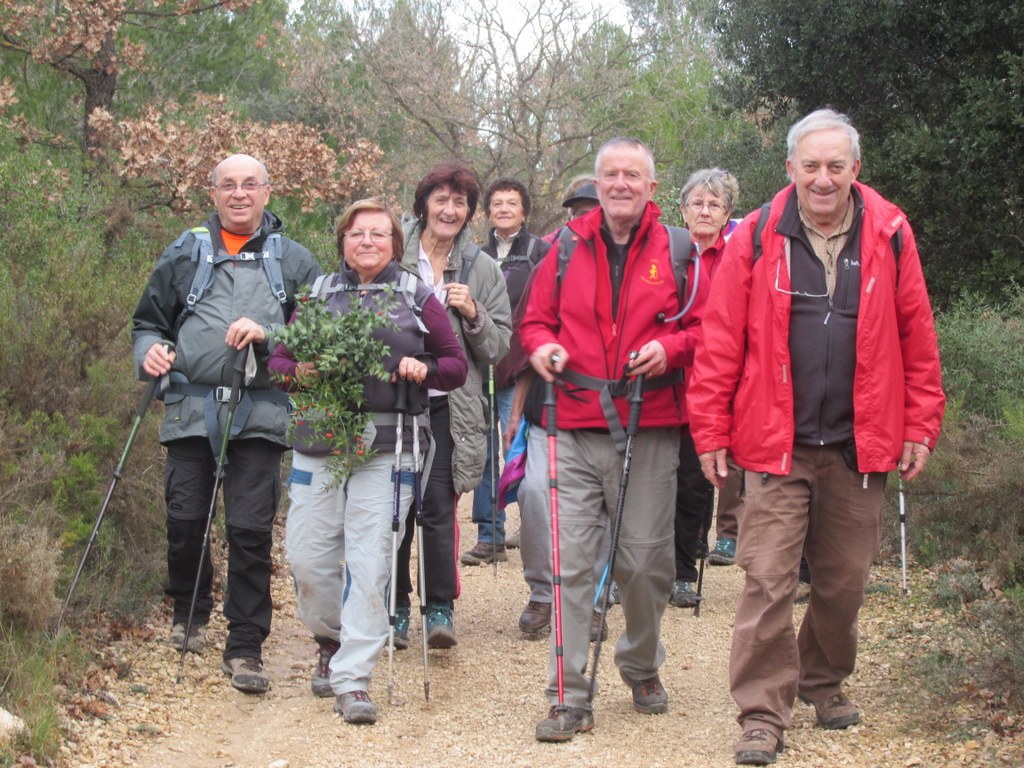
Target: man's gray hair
[(718, 182), (627, 141), (822, 120)]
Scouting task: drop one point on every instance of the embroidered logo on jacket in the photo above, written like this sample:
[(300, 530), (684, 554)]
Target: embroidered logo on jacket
[(653, 274)]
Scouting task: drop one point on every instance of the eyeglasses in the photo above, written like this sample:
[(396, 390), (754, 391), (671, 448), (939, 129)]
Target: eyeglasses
[(375, 235), (698, 205), (778, 267), (248, 186)]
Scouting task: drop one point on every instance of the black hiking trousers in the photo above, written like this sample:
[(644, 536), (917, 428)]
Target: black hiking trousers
[(251, 491)]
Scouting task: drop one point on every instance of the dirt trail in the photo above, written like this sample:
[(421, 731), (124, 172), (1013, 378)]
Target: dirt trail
[(486, 696)]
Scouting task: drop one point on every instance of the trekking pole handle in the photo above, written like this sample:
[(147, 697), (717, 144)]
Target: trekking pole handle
[(407, 397), (549, 407), (636, 398), (238, 364)]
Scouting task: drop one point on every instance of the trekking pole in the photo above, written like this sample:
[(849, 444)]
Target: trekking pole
[(147, 397), (556, 563), (237, 380), (401, 406), (494, 449), (702, 544), (415, 408), (903, 539), (636, 399)]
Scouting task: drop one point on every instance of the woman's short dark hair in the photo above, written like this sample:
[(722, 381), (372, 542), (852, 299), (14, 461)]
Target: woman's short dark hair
[(507, 184), (459, 177)]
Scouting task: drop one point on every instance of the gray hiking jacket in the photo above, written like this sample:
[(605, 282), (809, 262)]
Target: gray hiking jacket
[(485, 342), (202, 359)]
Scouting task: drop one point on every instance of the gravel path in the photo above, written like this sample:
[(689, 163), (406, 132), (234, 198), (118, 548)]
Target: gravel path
[(486, 696)]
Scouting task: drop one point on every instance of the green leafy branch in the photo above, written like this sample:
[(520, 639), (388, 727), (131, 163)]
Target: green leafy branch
[(331, 407)]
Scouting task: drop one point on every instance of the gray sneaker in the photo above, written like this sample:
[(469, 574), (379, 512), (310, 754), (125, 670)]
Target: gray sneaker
[(196, 640), (246, 674), (683, 595), (355, 707), (562, 723)]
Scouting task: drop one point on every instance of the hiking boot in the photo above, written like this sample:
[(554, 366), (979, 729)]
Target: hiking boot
[(835, 712), (535, 622), (757, 747), (246, 674), (803, 593), (321, 683), (196, 639), (355, 707), (596, 627), (512, 542), (401, 627), (683, 595), (562, 723), (484, 553), (649, 695), (440, 630), (724, 552)]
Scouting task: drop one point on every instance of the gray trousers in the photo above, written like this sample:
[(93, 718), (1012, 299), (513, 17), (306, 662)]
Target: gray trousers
[(535, 513), (589, 474)]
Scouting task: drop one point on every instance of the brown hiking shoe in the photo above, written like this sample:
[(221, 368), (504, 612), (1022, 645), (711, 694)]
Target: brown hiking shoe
[(757, 747), (562, 723), (835, 712), (356, 707), (535, 622), (649, 695), (321, 683), (196, 639), (484, 553), (246, 674)]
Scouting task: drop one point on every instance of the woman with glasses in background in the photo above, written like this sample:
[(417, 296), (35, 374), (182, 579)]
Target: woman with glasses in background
[(707, 202)]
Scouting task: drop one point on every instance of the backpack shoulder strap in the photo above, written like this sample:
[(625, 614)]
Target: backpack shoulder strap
[(467, 263), (316, 291), (407, 283), (762, 219), (203, 257), (272, 266), (680, 253), (567, 240)]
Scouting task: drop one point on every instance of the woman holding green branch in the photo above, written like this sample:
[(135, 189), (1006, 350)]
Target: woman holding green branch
[(334, 520)]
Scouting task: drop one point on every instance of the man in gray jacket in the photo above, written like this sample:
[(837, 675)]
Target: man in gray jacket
[(220, 288)]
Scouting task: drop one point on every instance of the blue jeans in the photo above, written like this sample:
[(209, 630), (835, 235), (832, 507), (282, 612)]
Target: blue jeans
[(482, 494)]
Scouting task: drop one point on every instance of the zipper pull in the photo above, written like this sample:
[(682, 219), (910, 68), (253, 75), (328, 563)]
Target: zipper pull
[(764, 479)]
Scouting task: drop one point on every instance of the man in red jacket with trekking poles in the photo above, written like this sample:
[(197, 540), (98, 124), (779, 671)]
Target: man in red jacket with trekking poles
[(600, 319)]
